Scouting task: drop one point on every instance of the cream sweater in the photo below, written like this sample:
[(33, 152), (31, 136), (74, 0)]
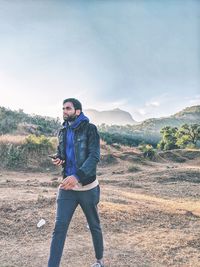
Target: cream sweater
[(79, 187)]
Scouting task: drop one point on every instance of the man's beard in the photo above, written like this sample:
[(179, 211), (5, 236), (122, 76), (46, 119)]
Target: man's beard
[(70, 118)]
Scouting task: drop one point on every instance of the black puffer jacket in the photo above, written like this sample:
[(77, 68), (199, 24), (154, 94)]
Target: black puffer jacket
[(87, 150)]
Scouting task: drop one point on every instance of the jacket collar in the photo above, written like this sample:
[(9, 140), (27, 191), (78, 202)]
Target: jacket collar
[(79, 121)]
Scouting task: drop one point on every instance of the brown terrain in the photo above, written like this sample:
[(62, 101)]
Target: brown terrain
[(150, 213)]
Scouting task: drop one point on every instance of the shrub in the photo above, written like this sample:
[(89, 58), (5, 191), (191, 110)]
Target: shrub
[(148, 151), (40, 144), (15, 157), (30, 152)]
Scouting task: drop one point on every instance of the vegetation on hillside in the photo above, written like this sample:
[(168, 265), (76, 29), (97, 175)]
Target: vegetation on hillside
[(189, 111), (32, 137), (20, 123), (126, 135), (12, 122), (30, 152), (183, 137), (150, 130), (186, 136)]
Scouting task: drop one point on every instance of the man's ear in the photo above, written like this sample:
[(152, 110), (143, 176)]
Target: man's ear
[(78, 112)]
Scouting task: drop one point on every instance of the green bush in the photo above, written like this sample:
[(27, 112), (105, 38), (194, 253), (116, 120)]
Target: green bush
[(148, 151), (31, 153), (40, 144), (15, 156)]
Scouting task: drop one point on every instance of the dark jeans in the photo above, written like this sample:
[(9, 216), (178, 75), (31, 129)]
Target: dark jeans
[(67, 201)]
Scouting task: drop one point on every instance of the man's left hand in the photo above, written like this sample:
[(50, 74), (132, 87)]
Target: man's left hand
[(68, 183)]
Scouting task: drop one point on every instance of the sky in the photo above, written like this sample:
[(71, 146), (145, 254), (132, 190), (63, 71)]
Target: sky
[(142, 56)]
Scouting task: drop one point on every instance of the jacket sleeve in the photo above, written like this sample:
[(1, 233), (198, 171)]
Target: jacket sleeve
[(58, 153), (89, 165)]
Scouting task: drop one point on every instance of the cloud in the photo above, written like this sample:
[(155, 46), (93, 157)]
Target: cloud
[(107, 105), (142, 111), (152, 104), (150, 108), (195, 100)]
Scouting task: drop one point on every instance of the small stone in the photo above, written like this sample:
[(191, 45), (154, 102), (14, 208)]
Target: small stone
[(45, 190)]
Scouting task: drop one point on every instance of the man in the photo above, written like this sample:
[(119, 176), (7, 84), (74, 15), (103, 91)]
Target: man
[(78, 152)]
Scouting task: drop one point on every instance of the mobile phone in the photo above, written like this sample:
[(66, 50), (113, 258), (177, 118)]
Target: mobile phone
[(52, 156)]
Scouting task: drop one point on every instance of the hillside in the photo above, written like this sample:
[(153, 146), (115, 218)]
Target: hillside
[(121, 118), (192, 113), (188, 115), (149, 130), (20, 123)]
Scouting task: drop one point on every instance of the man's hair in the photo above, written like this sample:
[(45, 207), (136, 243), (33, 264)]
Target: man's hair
[(76, 103)]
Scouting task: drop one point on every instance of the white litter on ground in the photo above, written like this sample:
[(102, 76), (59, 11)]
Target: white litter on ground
[(41, 223)]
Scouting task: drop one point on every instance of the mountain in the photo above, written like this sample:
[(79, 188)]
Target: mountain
[(120, 117), (148, 131), (112, 121), (192, 113), (109, 117), (189, 115)]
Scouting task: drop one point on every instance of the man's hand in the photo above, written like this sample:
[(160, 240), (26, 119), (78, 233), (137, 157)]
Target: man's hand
[(57, 161), (68, 183)]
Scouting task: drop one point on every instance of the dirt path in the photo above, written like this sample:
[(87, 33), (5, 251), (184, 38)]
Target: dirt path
[(150, 218)]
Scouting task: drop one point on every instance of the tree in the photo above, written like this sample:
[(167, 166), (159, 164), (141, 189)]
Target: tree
[(188, 134), (169, 138)]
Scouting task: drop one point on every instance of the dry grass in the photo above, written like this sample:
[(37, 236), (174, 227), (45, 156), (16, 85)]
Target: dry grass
[(12, 139), (154, 223), (170, 205)]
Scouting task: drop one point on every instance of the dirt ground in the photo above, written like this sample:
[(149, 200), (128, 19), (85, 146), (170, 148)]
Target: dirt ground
[(150, 215)]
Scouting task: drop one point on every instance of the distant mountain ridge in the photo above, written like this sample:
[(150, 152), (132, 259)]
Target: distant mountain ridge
[(189, 115), (148, 131), (18, 122), (189, 112), (109, 117), (121, 117)]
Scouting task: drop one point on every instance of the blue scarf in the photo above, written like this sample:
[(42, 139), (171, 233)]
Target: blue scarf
[(70, 168)]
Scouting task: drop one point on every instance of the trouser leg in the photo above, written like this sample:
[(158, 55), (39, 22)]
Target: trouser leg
[(88, 201), (66, 205)]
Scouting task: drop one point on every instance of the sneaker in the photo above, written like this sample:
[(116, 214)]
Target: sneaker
[(97, 264)]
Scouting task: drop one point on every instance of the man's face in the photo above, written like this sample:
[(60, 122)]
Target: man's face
[(69, 112)]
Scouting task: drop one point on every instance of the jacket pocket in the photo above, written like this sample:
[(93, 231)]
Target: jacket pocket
[(82, 142)]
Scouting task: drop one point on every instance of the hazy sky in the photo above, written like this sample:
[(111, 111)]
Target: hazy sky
[(142, 56)]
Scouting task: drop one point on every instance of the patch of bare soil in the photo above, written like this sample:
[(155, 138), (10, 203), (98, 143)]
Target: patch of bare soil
[(150, 215)]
